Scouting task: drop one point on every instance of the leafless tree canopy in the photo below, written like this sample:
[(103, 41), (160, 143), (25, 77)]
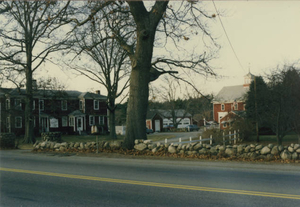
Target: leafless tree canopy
[(27, 38), (180, 22)]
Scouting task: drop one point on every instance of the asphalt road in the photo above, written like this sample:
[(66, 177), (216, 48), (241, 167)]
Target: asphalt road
[(50, 180)]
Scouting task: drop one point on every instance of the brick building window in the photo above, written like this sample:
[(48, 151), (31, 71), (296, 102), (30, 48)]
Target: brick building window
[(96, 105), (18, 122), (64, 105), (101, 120), (71, 121), (64, 121), (222, 107), (18, 104), (92, 120), (41, 105), (236, 106)]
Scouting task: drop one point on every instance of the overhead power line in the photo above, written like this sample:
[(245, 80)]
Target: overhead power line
[(227, 36)]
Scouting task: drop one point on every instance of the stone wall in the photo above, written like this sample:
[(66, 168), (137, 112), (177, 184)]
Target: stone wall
[(252, 151), (92, 146)]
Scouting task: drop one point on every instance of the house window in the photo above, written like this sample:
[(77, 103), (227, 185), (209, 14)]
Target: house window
[(92, 120), (222, 107), (64, 121), (96, 105), (236, 106), (64, 105), (80, 105), (8, 122), (101, 120), (18, 122), (41, 105), (71, 121), (225, 125), (7, 104), (18, 103)]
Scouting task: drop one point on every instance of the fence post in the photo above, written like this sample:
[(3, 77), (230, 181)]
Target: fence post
[(224, 139), (229, 137), (179, 139), (200, 140), (190, 139), (234, 137), (210, 141), (166, 141)]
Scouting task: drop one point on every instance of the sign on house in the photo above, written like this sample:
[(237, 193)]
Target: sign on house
[(53, 123)]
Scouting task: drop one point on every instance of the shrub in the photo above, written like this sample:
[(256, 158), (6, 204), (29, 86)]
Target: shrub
[(51, 136), (216, 134), (245, 127), (7, 141)]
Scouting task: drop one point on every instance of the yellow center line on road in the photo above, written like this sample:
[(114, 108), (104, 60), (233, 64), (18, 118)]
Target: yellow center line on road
[(153, 184)]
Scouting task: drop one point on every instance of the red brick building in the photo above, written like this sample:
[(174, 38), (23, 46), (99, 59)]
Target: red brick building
[(231, 98), (69, 112)]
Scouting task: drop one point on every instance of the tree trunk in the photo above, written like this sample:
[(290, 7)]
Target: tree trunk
[(112, 124), (29, 135), (137, 108), (146, 23), (139, 89)]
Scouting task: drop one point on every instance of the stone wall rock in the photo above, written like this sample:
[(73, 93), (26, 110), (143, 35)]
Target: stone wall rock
[(140, 146), (252, 151), (265, 151), (171, 149)]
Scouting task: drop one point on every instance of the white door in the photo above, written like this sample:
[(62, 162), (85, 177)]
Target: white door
[(157, 125), (79, 124)]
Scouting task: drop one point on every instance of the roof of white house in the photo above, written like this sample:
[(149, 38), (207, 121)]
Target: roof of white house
[(231, 94), (70, 94), (178, 113)]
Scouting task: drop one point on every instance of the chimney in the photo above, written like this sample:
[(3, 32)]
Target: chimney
[(98, 92)]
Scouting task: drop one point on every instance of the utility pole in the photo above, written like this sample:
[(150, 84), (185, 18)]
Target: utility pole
[(256, 115)]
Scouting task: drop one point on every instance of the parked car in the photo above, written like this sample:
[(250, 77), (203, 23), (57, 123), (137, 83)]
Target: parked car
[(149, 131), (168, 127), (208, 123), (190, 128)]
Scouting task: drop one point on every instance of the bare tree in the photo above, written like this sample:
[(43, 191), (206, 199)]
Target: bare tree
[(27, 38), (111, 66), (138, 27), (173, 105), (199, 106)]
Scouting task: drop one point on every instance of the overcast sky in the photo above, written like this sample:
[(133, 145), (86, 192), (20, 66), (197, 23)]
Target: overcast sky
[(262, 33)]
